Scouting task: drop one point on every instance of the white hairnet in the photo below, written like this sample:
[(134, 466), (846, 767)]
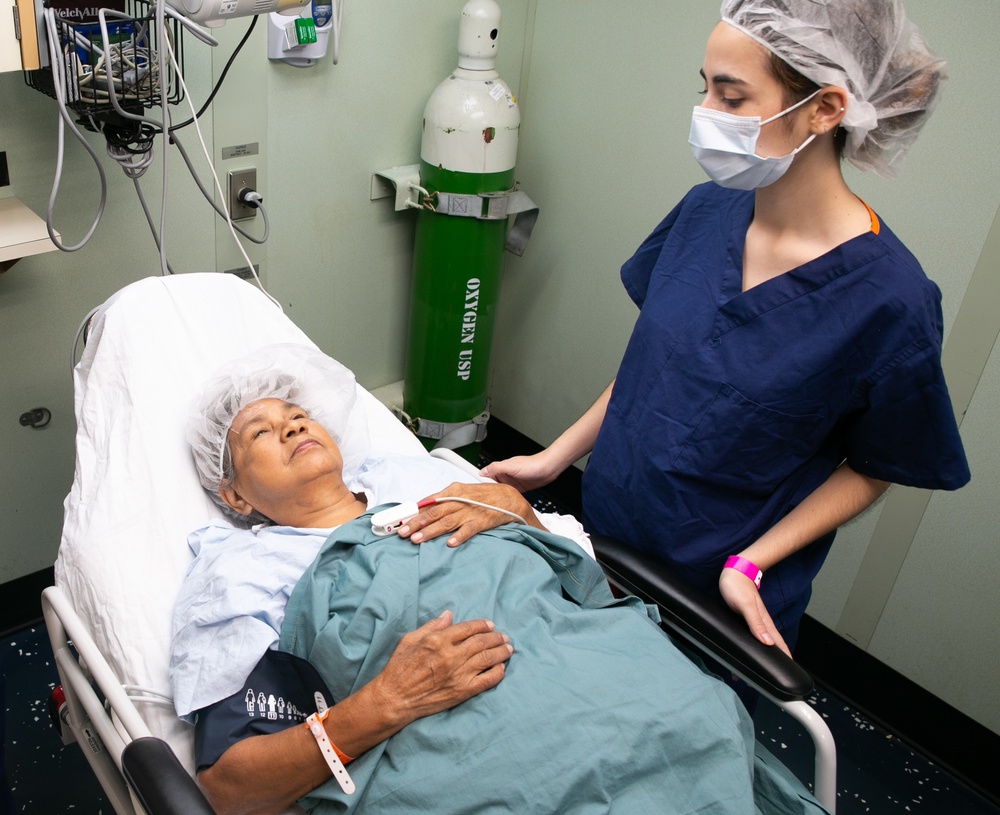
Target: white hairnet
[(299, 374), (866, 47)]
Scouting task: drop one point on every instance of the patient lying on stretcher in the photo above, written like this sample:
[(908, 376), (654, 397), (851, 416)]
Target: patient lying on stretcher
[(497, 675)]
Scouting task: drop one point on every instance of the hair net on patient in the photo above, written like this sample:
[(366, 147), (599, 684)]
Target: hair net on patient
[(866, 47), (299, 374)]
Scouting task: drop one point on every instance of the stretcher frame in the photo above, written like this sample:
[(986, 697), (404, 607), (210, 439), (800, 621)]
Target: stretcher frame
[(140, 774)]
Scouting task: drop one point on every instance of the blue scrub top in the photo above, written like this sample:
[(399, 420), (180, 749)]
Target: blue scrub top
[(730, 407)]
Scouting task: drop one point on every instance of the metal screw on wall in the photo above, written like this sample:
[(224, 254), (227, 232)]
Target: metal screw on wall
[(39, 417)]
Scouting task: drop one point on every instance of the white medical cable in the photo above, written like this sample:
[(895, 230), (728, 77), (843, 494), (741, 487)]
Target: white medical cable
[(162, 83), (218, 185), (59, 88), (338, 13), (134, 165), (112, 62), (386, 521), (443, 498), (149, 218), (267, 223), (195, 29), (211, 199), (82, 41), (161, 38), (79, 333), (138, 693), (222, 76), (102, 17), (149, 700)]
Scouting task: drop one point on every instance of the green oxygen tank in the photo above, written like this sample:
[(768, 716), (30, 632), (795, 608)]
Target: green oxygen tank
[(467, 155)]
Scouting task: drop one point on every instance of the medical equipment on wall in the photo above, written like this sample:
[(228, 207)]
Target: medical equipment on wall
[(467, 155), (214, 13), (117, 70), (303, 40)]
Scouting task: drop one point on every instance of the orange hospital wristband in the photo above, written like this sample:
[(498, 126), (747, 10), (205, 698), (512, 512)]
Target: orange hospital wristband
[(333, 757)]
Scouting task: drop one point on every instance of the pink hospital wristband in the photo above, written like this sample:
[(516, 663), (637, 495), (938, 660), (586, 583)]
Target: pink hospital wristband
[(746, 567)]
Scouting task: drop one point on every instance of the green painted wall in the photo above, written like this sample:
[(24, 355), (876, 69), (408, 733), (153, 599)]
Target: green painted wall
[(604, 153), (606, 94)]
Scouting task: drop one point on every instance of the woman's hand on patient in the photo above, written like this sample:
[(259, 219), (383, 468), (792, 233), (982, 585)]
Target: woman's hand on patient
[(742, 596), (461, 521), (441, 665), (523, 472)]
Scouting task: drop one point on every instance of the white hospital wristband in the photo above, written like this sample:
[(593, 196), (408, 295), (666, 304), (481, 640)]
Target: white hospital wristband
[(330, 753)]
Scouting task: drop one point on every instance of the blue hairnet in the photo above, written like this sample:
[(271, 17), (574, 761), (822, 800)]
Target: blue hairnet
[(867, 47)]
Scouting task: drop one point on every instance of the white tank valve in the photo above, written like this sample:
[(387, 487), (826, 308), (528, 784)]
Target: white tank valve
[(479, 35)]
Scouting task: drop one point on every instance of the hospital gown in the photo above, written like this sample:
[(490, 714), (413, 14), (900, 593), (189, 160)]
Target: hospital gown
[(730, 407), (232, 602), (598, 712)]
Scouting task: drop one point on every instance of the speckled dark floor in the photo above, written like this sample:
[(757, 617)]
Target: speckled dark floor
[(45, 778), (877, 773)]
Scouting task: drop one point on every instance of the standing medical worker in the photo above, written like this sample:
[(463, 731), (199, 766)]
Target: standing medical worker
[(786, 362)]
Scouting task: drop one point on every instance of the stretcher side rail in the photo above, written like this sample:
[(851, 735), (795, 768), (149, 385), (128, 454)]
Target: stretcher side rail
[(703, 619), (161, 784), (109, 729), (716, 630)]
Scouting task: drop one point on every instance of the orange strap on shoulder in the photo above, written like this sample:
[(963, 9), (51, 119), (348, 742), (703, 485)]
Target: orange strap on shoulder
[(876, 226)]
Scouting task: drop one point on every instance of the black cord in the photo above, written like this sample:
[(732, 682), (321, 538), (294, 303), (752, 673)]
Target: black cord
[(131, 137), (137, 137), (218, 85)]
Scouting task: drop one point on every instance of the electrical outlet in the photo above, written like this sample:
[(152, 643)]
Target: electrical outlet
[(239, 182)]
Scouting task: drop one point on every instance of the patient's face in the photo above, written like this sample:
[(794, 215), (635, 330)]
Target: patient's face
[(277, 452)]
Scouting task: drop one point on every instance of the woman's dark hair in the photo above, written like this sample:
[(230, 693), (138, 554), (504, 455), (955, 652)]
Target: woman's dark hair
[(796, 88)]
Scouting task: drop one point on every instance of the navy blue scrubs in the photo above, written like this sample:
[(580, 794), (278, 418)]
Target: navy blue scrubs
[(730, 407)]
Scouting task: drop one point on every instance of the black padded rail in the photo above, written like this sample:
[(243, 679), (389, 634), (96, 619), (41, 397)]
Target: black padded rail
[(706, 620), (161, 784)]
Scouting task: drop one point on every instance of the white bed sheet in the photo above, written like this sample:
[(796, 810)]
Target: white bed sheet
[(135, 495)]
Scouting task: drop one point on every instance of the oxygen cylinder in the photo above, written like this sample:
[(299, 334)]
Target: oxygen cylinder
[(467, 154)]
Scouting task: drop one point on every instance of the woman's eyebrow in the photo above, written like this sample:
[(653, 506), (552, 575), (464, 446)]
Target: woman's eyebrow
[(252, 422), (723, 79)]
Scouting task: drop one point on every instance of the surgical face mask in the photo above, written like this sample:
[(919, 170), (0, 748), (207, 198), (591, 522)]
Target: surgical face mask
[(725, 145)]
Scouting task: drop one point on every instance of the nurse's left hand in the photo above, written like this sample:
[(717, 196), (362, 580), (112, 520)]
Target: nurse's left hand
[(465, 520), (741, 596)]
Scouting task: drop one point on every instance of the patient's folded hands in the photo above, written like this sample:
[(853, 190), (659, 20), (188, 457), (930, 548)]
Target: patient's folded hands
[(465, 520)]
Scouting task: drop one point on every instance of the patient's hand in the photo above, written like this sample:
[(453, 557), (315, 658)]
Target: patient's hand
[(441, 665), (434, 668), (465, 520)]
